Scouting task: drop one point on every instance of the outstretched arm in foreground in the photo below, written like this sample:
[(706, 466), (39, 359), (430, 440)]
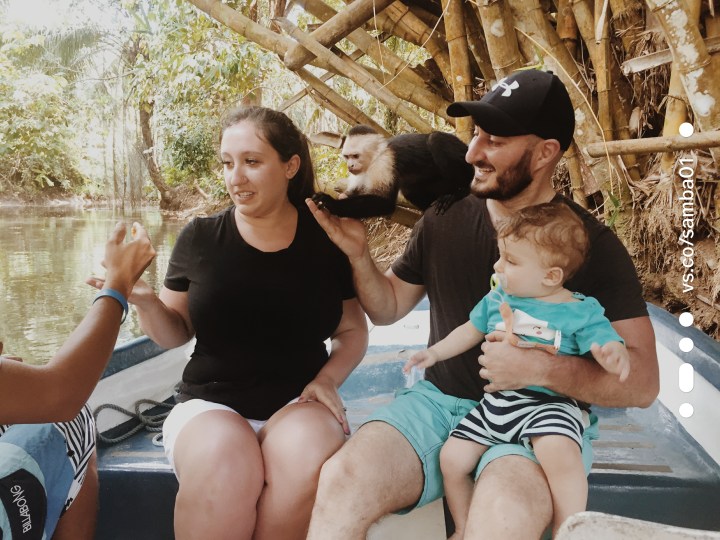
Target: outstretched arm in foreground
[(56, 391), (384, 297), (456, 342)]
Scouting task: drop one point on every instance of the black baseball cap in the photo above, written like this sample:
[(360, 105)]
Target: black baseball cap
[(526, 102)]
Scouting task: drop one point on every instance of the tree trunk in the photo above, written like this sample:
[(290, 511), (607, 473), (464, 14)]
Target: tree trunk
[(168, 199)]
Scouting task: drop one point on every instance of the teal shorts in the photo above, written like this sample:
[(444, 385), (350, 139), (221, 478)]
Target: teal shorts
[(425, 416)]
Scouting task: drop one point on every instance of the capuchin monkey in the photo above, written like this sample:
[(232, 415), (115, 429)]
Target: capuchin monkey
[(426, 168)]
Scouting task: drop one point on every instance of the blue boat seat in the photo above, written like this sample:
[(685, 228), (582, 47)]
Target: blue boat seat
[(645, 467)]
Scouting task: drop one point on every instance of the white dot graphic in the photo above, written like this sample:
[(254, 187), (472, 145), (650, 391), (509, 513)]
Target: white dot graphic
[(686, 319), (686, 344), (686, 129), (686, 410)]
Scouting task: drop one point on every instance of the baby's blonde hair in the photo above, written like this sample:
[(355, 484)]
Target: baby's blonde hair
[(556, 231)]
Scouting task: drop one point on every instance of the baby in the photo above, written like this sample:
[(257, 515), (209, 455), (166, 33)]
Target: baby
[(541, 247)]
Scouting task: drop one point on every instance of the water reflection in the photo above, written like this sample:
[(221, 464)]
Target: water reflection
[(45, 256)]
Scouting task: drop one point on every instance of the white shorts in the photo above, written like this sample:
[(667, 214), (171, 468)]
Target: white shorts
[(182, 413)]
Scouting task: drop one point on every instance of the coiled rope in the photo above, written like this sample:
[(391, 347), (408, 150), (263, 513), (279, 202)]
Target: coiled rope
[(148, 422)]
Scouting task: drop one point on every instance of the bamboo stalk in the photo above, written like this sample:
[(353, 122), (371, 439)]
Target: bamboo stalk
[(414, 94), (530, 19), (502, 44), (341, 107), (236, 21), (708, 139), (567, 27), (340, 25), (712, 29), (459, 63), (572, 160), (256, 33), (476, 42), (675, 109), (357, 74), (406, 84), (619, 107), (325, 77), (602, 73), (628, 22), (659, 58), (699, 72), (399, 20)]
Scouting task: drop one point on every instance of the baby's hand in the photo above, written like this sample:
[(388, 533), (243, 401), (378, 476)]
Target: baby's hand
[(423, 359), (614, 357)]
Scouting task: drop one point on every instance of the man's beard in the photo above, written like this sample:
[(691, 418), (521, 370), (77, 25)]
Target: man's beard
[(510, 183)]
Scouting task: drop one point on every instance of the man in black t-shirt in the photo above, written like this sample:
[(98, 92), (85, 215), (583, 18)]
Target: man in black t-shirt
[(522, 128)]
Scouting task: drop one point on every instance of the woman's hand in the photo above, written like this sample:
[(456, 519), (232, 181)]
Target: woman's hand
[(141, 291), (324, 390)]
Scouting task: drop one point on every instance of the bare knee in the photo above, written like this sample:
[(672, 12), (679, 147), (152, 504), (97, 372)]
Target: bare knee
[(511, 500)]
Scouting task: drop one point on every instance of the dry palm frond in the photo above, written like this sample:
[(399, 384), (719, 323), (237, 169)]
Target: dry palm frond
[(386, 240)]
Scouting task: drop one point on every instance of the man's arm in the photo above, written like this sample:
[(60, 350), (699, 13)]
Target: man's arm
[(511, 368), (384, 297)]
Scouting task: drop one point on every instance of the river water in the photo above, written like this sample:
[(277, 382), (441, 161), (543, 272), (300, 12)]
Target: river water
[(45, 255)]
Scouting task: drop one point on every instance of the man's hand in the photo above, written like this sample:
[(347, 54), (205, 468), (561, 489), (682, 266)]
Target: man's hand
[(508, 367), (613, 357)]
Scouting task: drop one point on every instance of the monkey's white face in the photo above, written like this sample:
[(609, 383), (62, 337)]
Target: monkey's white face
[(359, 151)]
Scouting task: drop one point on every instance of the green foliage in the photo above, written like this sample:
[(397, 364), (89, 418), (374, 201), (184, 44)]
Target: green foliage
[(35, 135)]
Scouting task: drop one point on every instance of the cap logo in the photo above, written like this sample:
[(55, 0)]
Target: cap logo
[(508, 88)]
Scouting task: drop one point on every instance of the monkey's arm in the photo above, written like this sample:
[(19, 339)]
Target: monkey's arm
[(357, 206)]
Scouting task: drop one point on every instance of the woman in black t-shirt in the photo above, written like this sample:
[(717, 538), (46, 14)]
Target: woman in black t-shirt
[(261, 288)]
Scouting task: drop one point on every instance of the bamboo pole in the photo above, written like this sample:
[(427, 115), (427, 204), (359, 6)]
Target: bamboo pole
[(675, 108), (602, 73), (628, 22), (414, 94), (699, 72), (476, 42), (459, 63), (340, 25), (502, 44), (619, 107), (572, 161), (659, 58), (256, 33), (430, 19), (399, 20), (530, 19), (357, 74), (707, 139), (406, 84), (712, 29), (341, 107), (325, 77), (567, 27), (236, 21)]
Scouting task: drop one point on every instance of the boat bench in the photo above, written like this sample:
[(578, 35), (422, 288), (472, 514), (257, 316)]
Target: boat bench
[(646, 466)]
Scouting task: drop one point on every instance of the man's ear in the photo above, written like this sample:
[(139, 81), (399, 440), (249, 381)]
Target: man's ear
[(292, 166), (554, 277), (547, 152)]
